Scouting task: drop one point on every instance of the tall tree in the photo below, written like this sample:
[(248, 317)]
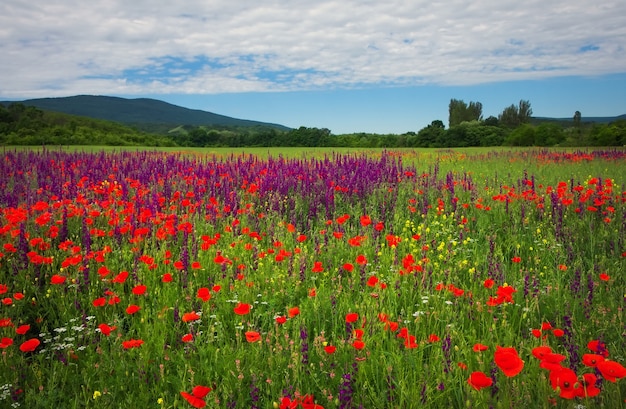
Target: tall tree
[(514, 116), (459, 112)]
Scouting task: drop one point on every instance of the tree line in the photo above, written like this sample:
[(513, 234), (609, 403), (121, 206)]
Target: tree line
[(514, 126)]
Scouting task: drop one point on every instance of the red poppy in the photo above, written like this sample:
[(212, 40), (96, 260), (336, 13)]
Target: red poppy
[(167, 278), (433, 338), (105, 329), (349, 267), (372, 281), (478, 380), (409, 342), (317, 267), (120, 278), (566, 381), (546, 326), (190, 316), (587, 388), (611, 370), (552, 361), (281, 319), (187, 338), (598, 347), (508, 361), (352, 317), (592, 360), (132, 343), (557, 332), (242, 309), (57, 279), (22, 329), (358, 344), (204, 294), (330, 349), (139, 289), (516, 259), (365, 220), (361, 260), (193, 400), (604, 277), (5, 342), (286, 403), (480, 347), (293, 312), (541, 352), (131, 309), (30, 345), (488, 283), (252, 336)]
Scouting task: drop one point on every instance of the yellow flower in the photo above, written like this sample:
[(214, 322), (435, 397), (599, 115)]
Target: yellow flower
[(160, 401), (96, 394)]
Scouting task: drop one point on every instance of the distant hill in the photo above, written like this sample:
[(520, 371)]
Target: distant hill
[(584, 120), (141, 112)]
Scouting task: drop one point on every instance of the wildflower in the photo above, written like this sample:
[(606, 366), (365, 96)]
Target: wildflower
[(252, 336), (587, 387), (190, 316), (187, 338), (565, 381), (204, 294), (30, 345), (5, 342), (480, 347), (508, 361), (139, 290), (105, 329), (96, 394), (132, 309), (592, 360), (281, 319), (604, 277), (132, 343), (22, 329), (352, 317), (166, 278), (358, 344), (293, 312), (242, 309), (57, 279), (330, 349), (611, 370), (317, 267), (478, 380), (196, 397)]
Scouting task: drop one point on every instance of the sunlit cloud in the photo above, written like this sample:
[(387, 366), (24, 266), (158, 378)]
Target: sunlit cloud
[(144, 47)]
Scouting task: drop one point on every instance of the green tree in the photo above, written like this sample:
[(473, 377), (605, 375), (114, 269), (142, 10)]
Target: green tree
[(514, 116), (459, 111)]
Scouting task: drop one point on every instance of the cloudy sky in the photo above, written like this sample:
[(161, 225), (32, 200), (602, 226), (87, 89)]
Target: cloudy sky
[(347, 65)]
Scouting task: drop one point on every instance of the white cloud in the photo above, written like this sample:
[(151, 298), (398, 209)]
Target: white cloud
[(69, 47)]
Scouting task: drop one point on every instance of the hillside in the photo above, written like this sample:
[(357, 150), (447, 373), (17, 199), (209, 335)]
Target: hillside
[(140, 112)]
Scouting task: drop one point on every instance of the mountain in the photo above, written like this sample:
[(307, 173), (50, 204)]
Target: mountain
[(140, 112), (583, 119)]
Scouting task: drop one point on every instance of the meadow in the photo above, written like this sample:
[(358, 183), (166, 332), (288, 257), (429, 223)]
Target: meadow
[(292, 278)]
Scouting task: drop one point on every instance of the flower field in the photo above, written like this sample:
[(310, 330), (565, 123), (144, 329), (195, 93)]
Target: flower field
[(340, 280)]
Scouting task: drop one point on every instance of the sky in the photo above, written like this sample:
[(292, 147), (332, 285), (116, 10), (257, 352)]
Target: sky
[(379, 66)]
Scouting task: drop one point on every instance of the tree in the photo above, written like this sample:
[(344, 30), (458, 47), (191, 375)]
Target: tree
[(459, 111), (514, 116)]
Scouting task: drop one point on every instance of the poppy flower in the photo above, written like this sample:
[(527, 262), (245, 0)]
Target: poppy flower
[(30, 345), (22, 329), (5, 342), (478, 380), (604, 277), (480, 347), (358, 344), (120, 278), (552, 361), (611, 370), (372, 281), (488, 283), (196, 265), (361, 260), (598, 347), (204, 294), (293, 312), (193, 400), (587, 388), (352, 317), (132, 309), (541, 352), (536, 332), (281, 319), (308, 402), (330, 349), (592, 360), (57, 279), (508, 361), (252, 336), (317, 267), (349, 267), (565, 381), (287, 403), (433, 338), (557, 332), (187, 338), (139, 289), (105, 329), (190, 316), (410, 343), (242, 309), (167, 278), (132, 343)]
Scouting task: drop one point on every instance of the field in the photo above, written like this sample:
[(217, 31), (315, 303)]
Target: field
[(312, 278)]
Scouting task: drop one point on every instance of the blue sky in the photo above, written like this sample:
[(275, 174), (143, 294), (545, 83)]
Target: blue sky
[(350, 66)]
